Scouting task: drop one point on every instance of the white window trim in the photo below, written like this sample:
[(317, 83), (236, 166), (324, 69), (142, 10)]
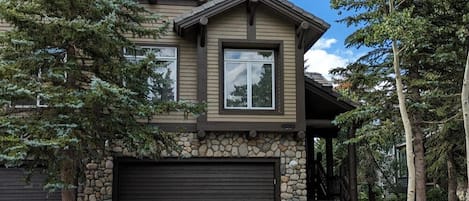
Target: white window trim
[(175, 59), (248, 63)]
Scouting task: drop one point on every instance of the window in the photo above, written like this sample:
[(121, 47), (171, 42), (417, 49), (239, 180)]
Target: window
[(50, 55), (249, 79), (164, 89), (31, 102)]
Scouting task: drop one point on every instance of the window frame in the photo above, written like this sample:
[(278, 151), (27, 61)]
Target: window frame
[(249, 67), (266, 45), (38, 97), (177, 61)]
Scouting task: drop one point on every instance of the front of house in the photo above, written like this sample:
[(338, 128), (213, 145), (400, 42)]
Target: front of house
[(244, 59)]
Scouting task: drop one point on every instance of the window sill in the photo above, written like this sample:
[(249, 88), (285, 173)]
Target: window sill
[(249, 112)]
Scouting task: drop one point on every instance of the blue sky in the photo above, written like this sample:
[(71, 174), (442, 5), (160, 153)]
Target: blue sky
[(329, 52)]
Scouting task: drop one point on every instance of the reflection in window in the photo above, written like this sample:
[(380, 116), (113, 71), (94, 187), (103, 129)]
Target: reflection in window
[(249, 81), (164, 89)]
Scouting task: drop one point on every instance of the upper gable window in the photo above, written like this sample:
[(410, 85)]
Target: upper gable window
[(249, 79), (166, 60)]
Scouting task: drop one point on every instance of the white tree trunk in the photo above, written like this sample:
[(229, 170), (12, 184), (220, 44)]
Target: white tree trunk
[(407, 125), (465, 111)]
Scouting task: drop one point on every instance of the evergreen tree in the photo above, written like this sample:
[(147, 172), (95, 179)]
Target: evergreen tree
[(69, 55), (431, 54)]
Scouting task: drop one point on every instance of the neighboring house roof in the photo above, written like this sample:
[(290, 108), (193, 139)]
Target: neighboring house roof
[(284, 7), (321, 86), (317, 77)]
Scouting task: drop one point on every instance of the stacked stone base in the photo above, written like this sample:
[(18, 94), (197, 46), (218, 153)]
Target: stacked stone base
[(290, 151)]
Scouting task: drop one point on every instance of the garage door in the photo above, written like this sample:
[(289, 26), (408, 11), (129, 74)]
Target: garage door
[(196, 180), (14, 188)]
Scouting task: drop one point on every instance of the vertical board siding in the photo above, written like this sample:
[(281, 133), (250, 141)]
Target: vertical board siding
[(233, 25), (187, 83)]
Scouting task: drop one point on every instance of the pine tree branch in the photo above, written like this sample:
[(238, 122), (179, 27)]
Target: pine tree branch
[(444, 121)]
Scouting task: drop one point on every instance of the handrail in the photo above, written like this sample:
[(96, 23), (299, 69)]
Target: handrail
[(344, 183), (344, 190), (321, 180)]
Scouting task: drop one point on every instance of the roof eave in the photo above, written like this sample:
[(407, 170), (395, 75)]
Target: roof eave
[(345, 104)]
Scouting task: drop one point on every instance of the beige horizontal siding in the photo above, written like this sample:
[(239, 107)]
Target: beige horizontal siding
[(233, 25), (187, 88), (272, 27), (187, 61), (4, 26)]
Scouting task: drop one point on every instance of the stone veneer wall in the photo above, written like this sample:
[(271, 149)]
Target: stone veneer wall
[(98, 184)]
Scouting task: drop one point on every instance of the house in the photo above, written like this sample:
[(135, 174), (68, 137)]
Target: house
[(244, 58)]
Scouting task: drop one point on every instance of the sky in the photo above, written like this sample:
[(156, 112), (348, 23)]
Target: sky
[(329, 52)]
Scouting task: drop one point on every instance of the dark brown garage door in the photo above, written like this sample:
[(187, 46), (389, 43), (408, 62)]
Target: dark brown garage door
[(197, 180), (14, 188)]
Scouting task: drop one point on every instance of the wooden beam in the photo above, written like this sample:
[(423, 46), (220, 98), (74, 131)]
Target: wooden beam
[(202, 71), (203, 21), (320, 123), (329, 158), (310, 169), (251, 6)]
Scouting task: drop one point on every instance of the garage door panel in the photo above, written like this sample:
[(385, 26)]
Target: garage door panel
[(14, 188), (209, 181), (201, 196)]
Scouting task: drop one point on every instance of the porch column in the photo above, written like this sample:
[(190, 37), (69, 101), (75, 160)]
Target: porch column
[(329, 158), (310, 167)]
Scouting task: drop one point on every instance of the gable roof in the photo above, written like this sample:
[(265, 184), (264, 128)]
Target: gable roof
[(284, 7)]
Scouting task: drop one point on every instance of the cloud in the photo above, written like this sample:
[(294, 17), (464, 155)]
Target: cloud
[(321, 59), (324, 43)]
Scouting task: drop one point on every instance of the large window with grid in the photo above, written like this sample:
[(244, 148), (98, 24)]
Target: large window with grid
[(165, 88)]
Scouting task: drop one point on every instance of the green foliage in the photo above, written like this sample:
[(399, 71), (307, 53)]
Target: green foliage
[(69, 55), (437, 194), (432, 40)]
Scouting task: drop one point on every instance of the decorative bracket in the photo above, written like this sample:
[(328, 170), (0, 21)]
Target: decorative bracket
[(301, 135), (203, 31), (300, 33), (251, 135), (201, 134)]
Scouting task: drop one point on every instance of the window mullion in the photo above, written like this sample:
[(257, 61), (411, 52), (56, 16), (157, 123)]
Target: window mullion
[(249, 84), (273, 85), (225, 95)]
